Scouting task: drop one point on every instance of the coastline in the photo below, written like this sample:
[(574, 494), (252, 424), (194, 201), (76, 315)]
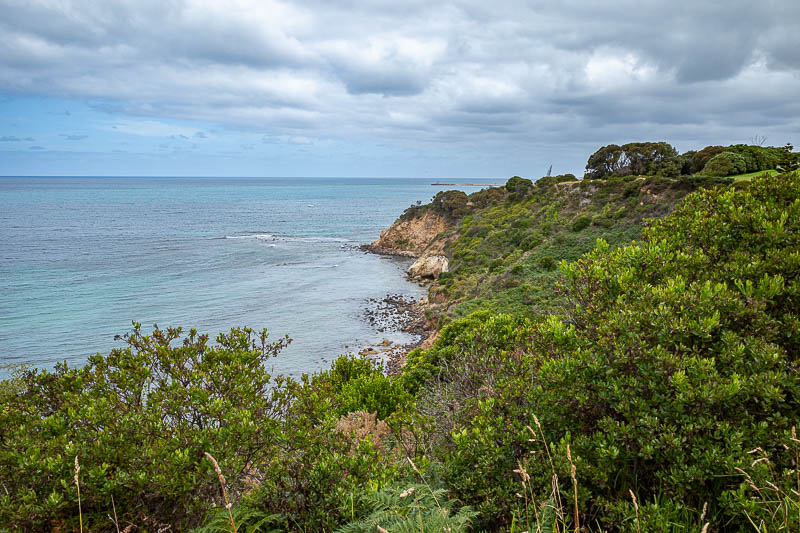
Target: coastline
[(397, 312)]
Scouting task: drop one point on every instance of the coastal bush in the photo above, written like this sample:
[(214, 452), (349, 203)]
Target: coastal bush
[(327, 465), (725, 164), (581, 222), (451, 204), (518, 186), (758, 158), (294, 454), (359, 384), (423, 365), (676, 358), (700, 158), (552, 180), (337, 451), (138, 422), (686, 338)]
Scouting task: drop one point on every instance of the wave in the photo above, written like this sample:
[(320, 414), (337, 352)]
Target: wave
[(258, 236), (287, 238)]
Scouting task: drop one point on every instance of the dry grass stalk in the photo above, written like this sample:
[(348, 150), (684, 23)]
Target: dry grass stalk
[(429, 489), (795, 443), (556, 491), (78, 485), (636, 508), (526, 489), (222, 483), (114, 507), (574, 489)]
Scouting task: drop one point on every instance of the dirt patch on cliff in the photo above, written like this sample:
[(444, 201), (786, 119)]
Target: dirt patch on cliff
[(410, 236)]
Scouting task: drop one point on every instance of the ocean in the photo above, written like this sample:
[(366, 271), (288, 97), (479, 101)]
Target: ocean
[(82, 257)]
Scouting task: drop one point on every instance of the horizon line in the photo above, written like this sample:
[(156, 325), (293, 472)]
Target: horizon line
[(231, 176)]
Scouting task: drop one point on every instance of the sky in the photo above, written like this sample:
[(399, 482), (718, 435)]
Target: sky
[(385, 87)]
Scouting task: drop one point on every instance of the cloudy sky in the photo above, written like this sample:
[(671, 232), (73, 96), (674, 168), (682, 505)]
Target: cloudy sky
[(384, 87)]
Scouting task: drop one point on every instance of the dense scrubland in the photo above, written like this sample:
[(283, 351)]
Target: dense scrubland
[(617, 353)]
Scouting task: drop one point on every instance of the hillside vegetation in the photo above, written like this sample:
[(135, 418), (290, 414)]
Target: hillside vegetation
[(505, 256), (600, 385)]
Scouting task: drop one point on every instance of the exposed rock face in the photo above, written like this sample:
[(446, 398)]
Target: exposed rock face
[(428, 267), (411, 236)]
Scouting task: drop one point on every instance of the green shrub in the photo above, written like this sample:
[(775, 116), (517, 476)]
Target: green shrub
[(581, 222), (677, 340), (725, 164), (546, 262), (518, 186), (359, 384), (139, 421), (700, 158), (678, 357), (552, 180), (451, 204)]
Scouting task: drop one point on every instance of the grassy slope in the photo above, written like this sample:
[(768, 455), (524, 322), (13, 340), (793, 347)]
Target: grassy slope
[(749, 176), (505, 256)]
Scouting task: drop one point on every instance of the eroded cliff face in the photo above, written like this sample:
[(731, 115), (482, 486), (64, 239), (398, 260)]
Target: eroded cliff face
[(410, 237)]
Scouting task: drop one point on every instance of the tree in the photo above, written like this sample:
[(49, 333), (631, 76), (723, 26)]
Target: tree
[(638, 158), (518, 186), (725, 164), (605, 162), (702, 157), (451, 204)]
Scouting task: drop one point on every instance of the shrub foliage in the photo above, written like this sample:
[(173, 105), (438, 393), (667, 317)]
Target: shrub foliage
[(635, 405), (677, 356)]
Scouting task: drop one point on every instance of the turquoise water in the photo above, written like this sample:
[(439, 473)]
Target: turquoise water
[(80, 258)]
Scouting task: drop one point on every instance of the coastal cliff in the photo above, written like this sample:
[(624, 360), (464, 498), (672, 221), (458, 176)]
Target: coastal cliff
[(408, 236), (499, 248), (419, 234)]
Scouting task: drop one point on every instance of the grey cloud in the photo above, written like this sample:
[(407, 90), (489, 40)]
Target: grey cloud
[(386, 83), (36, 148), (72, 137), (506, 74), (15, 139)]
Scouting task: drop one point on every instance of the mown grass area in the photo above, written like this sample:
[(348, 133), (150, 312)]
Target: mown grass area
[(750, 175)]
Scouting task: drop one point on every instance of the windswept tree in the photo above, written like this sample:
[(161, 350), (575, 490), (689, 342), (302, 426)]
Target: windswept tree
[(637, 158)]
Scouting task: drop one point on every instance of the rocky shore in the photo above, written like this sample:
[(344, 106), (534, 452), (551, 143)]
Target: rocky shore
[(423, 236), (396, 312)]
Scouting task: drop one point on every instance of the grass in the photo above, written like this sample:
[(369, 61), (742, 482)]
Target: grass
[(749, 176)]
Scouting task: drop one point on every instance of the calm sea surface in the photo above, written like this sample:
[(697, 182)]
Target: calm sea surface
[(80, 258)]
